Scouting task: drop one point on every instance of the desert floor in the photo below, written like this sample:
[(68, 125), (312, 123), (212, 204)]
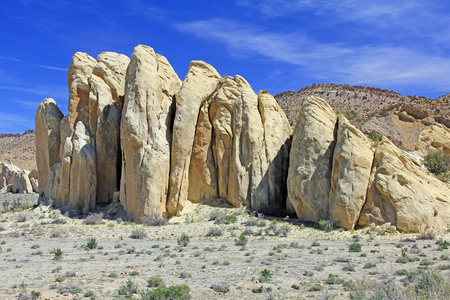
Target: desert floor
[(302, 261)]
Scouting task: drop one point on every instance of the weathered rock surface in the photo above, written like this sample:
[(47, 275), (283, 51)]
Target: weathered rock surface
[(352, 165), (434, 138), (403, 193), (310, 167), (200, 83), (48, 141), (83, 179), (78, 75), (13, 179), (146, 134)]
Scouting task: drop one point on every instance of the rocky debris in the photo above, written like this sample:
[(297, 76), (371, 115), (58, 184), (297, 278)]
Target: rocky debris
[(415, 112), (404, 116), (13, 179), (363, 187)]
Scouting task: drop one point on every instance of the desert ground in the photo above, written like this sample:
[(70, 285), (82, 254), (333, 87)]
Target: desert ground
[(51, 253)]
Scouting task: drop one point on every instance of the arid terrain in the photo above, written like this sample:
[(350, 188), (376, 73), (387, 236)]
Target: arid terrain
[(45, 253), (19, 148)]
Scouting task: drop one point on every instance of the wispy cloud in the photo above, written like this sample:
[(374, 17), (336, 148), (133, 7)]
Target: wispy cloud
[(365, 64), (47, 91), (33, 64)]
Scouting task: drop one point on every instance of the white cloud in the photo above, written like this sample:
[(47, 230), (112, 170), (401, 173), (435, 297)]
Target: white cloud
[(384, 65)]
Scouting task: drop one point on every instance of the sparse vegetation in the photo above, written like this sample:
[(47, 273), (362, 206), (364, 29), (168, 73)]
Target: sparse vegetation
[(138, 233), (154, 219), (94, 219), (183, 240), (438, 163), (355, 247)]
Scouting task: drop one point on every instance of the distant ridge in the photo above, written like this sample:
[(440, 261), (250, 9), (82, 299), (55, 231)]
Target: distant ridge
[(365, 101)]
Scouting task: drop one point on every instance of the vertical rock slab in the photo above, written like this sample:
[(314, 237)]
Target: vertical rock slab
[(309, 177), (249, 159), (199, 84), (151, 87), (203, 182), (352, 165), (78, 75), (403, 193), (277, 132), (66, 160), (83, 179), (48, 141), (107, 89)]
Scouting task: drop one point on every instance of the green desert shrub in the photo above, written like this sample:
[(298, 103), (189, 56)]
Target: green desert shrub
[(355, 247), (437, 162), (178, 292), (183, 240)]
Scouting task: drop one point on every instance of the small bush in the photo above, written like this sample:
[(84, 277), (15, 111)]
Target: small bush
[(214, 231), (154, 219), (128, 289), (215, 214), (241, 241), (138, 233), (154, 282), (265, 275), (94, 219), (328, 225), (57, 253), (374, 137), (443, 244), (428, 235), (21, 217), (228, 219), (92, 244), (437, 162), (179, 292), (183, 240), (355, 247), (220, 287)]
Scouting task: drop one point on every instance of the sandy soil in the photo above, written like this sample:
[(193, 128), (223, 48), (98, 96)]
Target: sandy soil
[(300, 263)]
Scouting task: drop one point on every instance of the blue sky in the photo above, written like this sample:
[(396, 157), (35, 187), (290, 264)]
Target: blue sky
[(276, 45)]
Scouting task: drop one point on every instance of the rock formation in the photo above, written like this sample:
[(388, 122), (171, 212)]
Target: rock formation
[(387, 185), (146, 132), (137, 134), (403, 193), (313, 141), (434, 138), (13, 179)]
